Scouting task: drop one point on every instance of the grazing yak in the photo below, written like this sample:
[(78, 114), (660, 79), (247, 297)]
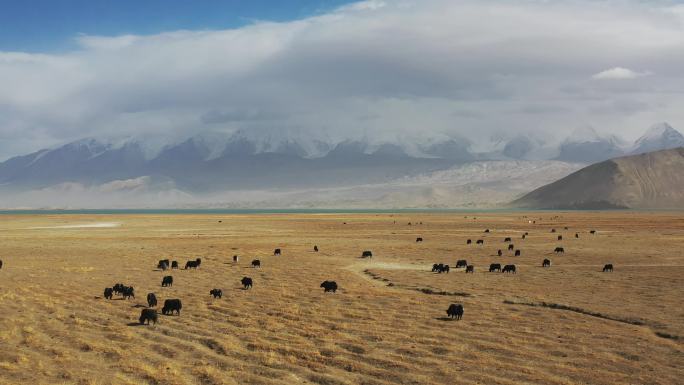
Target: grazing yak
[(517, 253), (480, 242), (367, 254), (191, 265), (470, 269), (559, 250), (511, 247), (277, 252), (486, 231), (236, 258), (499, 253), (461, 263), (256, 263), (246, 282), (171, 305), (608, 267), (329, 286), (174, 264), (523, 236), (592, 232), (167, 281), (576, 235), (147, 315), (553, 230), (128, 292), (217, 293), (118, 288), (469, 241), (546, 263), (507, 239), (419, 239), (455, 311), (560, 237), (151, 300), (108, 293), (494, 267), (508, 269), (316, 248), (163, 264)]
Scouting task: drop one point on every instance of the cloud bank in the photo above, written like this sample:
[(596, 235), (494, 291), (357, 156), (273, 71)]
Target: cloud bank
[(394, 68)]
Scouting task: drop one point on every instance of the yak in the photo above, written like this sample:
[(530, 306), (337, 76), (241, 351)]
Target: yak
[(236, 258), (147, 315), (174, 264), (499, 252), (167, 281), (608, 267), (163, 264), (546, 263), (480, 242), (461, 263), (517, 253), (560, 237), (128, 292), (171, 305), (455, 311), (367, 254), (494, 267), (329, 286), (276, 252), (256, 263), (108, 293), (559, 250), (511, 247), (246, 282), (469, 241), (316, 248), (217, 293), (508, 269), (151, 300), (470, 269), (507, 239), (419, 239)]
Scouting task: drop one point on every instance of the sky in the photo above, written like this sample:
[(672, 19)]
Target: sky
[(380, 69)]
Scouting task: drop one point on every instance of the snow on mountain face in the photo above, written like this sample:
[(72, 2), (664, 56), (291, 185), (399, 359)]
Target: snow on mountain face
[(660, 136)]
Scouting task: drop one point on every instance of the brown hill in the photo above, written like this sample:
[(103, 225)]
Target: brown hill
[(651, 180)]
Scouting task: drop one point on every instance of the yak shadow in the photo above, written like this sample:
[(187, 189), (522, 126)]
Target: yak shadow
[(446, 319), (134, 324), (137, 305)]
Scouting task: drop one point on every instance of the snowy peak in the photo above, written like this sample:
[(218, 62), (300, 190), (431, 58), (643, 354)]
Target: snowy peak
[(660, 136)]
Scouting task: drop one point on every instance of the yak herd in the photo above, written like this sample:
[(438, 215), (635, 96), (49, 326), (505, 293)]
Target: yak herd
[(171, 306)]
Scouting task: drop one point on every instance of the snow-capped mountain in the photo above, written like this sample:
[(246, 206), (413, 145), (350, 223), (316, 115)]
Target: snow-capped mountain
[(585, 145), (660, 136)]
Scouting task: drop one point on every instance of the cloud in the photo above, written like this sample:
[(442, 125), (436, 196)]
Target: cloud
[(418, 67), (620, 73)]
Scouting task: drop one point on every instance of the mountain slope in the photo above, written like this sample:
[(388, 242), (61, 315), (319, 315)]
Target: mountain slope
[(650, 180), (660, 136)]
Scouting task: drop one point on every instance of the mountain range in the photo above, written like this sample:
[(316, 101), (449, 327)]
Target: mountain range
[(277, 160)]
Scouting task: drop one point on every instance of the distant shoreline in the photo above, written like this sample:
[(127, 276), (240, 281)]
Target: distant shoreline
[(298, 211)]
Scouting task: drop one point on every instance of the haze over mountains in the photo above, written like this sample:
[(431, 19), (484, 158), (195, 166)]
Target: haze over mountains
[(284, 168)]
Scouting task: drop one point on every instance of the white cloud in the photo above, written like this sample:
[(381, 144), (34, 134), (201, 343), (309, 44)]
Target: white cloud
[(620, 73), (415, 66)]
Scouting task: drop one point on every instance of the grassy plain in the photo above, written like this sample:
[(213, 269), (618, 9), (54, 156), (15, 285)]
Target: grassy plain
[(567, 324)]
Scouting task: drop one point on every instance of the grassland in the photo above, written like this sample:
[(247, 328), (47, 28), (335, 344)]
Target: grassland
[(568, 324)]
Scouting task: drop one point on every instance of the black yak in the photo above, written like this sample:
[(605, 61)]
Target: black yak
[(517, 253), (511, 247), (171, 305), (576, 235), (419, 239), (108, 293), (508, 269), (256, 263), (367, 254), (546, 263), (236, 258), (191, 265), (470, 269), (507, 239), (118, 288), (151, 300), (486, 231), (128, 292), (455, 311), (592, 232), (217, 293), (147, 315), (174, 264), (316, 248), (276, 252), (559, 250), (163, 264), (480, 242), (469, 241), (329, 286), (608, 267), (560, 237), (461, 263), (499, 253), (494, 267), (167, 281), (246, 282)]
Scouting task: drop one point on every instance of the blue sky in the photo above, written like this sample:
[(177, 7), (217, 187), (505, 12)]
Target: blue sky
[(51, 25)]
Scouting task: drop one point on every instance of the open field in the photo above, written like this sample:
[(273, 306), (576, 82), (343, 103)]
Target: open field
[(568, 324)]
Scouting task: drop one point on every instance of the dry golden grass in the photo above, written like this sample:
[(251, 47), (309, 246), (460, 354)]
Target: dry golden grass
[(569, 324)]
